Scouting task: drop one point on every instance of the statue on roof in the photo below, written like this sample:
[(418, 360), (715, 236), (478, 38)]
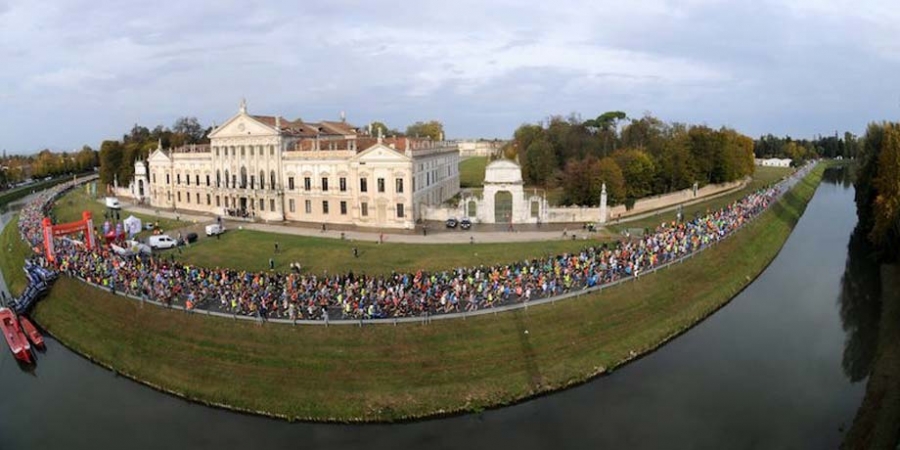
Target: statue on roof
[(243, 105)]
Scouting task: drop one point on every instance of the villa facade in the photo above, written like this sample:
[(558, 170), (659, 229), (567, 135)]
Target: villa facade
[(269, 168)]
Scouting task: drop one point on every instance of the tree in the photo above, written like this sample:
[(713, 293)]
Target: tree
[(583, 181), (638, 170), (111, 155), (539, 163), (188, 130), (886, 208), (431, 129)]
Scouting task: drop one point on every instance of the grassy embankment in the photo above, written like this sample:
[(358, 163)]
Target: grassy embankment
[(391, 372), (762, 177), (14, 253)]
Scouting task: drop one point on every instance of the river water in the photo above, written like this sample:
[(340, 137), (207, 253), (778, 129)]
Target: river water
[(767, 371)]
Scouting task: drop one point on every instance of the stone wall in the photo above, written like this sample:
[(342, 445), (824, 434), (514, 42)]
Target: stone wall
[(662, 201)]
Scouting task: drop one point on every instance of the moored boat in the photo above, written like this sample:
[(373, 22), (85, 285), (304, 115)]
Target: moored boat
[(16, 339), (32, 332)]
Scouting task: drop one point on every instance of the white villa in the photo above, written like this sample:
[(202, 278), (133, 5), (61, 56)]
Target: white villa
[(269, 168)]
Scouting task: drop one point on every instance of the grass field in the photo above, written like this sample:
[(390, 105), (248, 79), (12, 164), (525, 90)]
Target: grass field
[(763, 176), (471, 172), (251, 250), (392, 372), (14, 253), (69, 207)]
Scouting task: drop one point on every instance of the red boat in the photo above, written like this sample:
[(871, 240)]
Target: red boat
[(16, 339), (33, 335)]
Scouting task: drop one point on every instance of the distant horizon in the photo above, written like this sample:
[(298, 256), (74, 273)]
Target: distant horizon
[(78, 73)]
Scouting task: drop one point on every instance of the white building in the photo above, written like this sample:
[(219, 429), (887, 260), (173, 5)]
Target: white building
[(273, 169), (773, 162)]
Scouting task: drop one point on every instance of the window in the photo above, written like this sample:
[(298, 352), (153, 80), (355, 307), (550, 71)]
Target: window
[(262, 178), (271, 204), (242, 151), (308, 206), (262, 205), (324, 206), (226, 202), (251, 150), (243, 177), (154, 178), (178, 178), (324, 184), (272, 184), (399, 209), (207, 180), (197, 179), (234, 181), (291, 205), (218, 201), (398, 184), (187, 180), (307, 183), (343, 208), (343, 184), (271, 150), (364, 209), (217, 151), (168, 180), (252, 181), (291, 183), (363, 185), (381, 185), (198, 198)]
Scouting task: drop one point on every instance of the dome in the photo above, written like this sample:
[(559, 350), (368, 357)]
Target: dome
[(503, 171)]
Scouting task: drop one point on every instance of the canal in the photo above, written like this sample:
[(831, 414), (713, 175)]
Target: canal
[(775, 368)]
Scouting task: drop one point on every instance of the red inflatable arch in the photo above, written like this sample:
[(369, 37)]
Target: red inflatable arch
[(85, 225)]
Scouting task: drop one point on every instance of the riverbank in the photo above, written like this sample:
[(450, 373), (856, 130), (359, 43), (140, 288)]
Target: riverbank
[(390, 373)]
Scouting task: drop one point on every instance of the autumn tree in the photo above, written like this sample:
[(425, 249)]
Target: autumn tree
[(639, 171), (431, 129)]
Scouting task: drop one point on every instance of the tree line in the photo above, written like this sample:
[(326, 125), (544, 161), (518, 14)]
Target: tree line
[(634, 157), (800, 150), (878, 188), (15, 169)]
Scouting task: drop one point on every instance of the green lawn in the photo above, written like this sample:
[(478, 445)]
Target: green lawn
[(15, 250), (69, 207), (251, 250), (389, 372), (763, 176), (471, 172)]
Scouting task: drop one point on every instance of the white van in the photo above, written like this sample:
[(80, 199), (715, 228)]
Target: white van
[(161, 241), (214, 229), (112, 203)]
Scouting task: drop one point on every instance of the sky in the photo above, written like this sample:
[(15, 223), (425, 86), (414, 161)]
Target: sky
[(79, 72)]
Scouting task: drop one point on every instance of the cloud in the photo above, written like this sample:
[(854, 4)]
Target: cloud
[(482, 67)]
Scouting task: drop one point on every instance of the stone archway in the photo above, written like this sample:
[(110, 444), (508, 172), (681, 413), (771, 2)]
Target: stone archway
[(503, 207)]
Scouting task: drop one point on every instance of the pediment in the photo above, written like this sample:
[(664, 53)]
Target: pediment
[(242, 125), (381, 153), (158, 156)]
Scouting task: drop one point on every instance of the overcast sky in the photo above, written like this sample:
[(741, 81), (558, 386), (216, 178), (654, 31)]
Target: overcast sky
[(78, 72)]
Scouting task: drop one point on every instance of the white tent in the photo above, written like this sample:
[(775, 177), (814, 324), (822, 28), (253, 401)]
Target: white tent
[(132, 225)]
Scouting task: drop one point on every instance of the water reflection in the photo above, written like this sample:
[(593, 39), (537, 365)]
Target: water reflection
[(860, 303), (840, 175)]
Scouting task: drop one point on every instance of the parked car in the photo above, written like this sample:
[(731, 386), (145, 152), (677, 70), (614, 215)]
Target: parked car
[(161, 241), (452, 222), (148, 226), (465, 224), (214, 229), (112, 203)]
